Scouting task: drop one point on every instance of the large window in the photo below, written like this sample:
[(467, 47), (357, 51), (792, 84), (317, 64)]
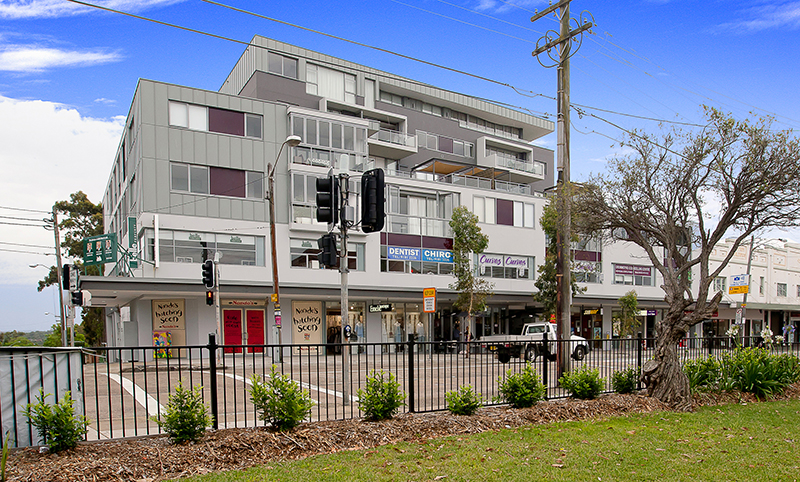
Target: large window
[(305, 252), (502, 211), (285, 66), (627, 274), (435, 142), (505, 266), (416, 212), (219, 181), (329, 143), (329, 83), (212, 119), (197, 247)]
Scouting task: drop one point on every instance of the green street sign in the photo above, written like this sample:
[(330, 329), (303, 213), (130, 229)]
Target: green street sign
[(100, 249)]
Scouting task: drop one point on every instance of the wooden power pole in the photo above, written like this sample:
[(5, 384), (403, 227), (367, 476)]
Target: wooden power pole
[(561, 42)]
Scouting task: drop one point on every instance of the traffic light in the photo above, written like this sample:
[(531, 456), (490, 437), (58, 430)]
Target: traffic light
[(209, 298), (373, 200), (329, 257), (76, 297), (65, 277), (208, 274), (328, 200)]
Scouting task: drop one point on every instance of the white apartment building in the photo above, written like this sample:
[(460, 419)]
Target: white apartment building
[(189, 181)]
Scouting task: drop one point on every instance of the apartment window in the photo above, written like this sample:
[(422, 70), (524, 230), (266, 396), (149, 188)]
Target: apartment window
[(798, 291), (330, 83), (761, 286), (505, 266), (285, 66), (782, 289), (212, 119), (626, 274), (588, 271), (305, 254), (329, 143), (435, 142), (218, 181), (197, 247), (718, 284)]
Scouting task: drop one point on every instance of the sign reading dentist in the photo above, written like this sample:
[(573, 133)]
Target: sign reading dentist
[(420, 254)]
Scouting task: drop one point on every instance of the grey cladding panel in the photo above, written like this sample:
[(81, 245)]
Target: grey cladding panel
[(200, 152)]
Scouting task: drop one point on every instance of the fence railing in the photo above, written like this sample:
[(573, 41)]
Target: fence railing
[(123, 389)]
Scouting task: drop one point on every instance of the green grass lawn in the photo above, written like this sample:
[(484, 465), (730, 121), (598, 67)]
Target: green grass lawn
[(754, 442)]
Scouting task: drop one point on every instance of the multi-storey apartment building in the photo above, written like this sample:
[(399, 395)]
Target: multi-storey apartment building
[(189, 181)]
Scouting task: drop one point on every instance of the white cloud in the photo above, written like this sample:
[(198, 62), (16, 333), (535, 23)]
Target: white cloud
[(104, 101), (36, 59), (48, 152), (500, 6), (784, 15), (16, 9)]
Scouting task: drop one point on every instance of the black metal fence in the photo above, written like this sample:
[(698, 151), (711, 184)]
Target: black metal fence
[(123, 390)]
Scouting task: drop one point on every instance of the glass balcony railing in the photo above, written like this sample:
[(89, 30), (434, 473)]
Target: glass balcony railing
[(395, 137), (510, 162), (404, 224), (484, 183)]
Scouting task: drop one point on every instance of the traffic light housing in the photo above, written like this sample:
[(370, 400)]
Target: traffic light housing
[(65, 277), (373, 201), (210, 298), (329, 257), (76, 297), (208, 274), (328, 200)]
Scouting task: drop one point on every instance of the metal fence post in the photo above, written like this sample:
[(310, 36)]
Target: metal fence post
[(411, 407), (639, 340), (212, 363), (545, 351)]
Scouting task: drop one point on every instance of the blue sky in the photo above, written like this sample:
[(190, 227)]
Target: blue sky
[(67, 76)]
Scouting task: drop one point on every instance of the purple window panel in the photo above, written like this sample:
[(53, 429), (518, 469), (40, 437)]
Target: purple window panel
[(227, 182), (225, 121)]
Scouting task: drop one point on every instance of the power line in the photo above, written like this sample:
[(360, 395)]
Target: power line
[(26, 245), (26, 210), (21, 224), (25, 252), (20, 219)]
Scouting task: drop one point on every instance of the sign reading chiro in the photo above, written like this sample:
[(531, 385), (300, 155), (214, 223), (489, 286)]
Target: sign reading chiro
[(100, 249)]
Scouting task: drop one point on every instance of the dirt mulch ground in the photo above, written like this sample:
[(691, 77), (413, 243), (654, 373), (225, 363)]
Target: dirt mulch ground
[(153, 459)]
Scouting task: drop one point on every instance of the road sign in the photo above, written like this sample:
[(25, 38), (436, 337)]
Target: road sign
[(739, 284), (739, 316), (429, 300)]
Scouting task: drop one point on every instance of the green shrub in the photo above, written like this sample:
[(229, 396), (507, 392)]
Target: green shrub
[(464, 401), (624, 381), (280, 400), (57, 425), (380, 399), (584, 383), (752, 370), (185, 418), (522, 389)]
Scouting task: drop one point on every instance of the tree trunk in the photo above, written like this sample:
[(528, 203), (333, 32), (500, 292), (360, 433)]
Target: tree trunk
[(663, 375)]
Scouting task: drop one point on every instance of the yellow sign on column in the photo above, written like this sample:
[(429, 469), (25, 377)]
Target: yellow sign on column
[(429, 300)]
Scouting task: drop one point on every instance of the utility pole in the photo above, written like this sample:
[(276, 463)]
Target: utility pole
[(562, 44), (344, 180), (59, 273), (744, 298)]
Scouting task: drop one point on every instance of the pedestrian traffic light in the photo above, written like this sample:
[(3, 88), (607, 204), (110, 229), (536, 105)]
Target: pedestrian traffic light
[(328, 200), (209, 298), (208, 274), (76, 297), (329, 257), (373, 201)]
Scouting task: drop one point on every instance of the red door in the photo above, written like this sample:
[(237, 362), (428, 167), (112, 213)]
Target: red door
[(232, 328), (255, 330)]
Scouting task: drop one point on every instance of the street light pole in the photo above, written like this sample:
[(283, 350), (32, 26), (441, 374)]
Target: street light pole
[(292, 141)]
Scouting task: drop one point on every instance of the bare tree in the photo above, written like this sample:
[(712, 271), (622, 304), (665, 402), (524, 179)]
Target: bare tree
[(677, 195)]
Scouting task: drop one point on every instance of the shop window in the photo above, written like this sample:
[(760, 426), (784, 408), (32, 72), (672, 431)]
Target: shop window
[(197, 247)]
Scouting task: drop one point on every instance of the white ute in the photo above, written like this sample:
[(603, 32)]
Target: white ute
[(530, 344)]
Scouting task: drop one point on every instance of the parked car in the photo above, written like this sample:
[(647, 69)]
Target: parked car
[(530, 343)]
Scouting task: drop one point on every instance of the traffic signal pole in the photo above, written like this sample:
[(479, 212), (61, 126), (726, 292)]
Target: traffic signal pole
[(344, 180)]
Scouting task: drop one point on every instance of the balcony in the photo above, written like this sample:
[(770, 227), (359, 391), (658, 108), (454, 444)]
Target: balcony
[(404, 224), (391, 144), (487, 183), (519, 169)]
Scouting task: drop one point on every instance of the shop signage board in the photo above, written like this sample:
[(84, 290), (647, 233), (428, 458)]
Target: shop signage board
[(100, 249), (381, 307), (306, 324), (429, 300), (739, 284), (133, 263), (419, 254)]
